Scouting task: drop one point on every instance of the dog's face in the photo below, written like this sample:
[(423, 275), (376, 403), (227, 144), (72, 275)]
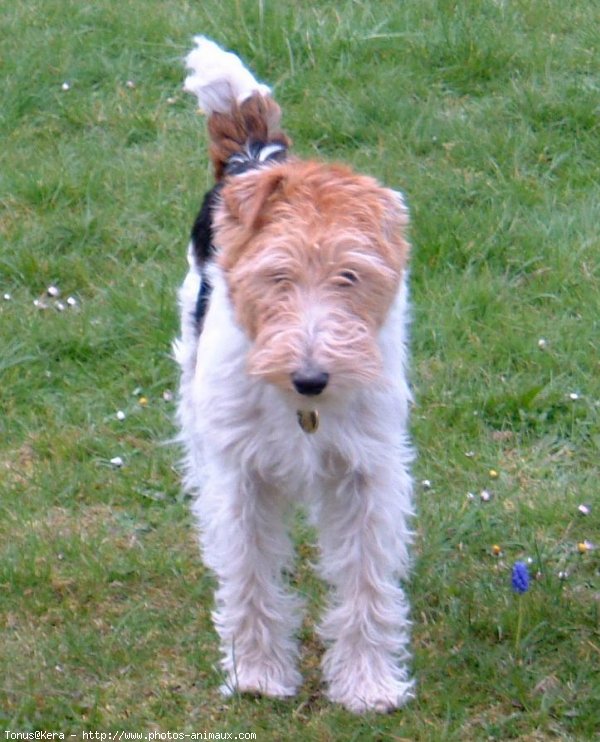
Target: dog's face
[(313, 256)]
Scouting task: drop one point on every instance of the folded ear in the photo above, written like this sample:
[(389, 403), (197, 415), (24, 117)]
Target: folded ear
[(394, 226), (401, 205), (247, 198), (245, 205)]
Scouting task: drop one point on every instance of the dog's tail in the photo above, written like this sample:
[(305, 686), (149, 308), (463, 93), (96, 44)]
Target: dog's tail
[(243, 118)]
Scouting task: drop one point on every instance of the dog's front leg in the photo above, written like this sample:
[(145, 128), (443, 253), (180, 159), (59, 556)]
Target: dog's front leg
[(364, 538), (245, 543)]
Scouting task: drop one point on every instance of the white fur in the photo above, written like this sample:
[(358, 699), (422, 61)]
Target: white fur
[(218, 77), (248, 464)]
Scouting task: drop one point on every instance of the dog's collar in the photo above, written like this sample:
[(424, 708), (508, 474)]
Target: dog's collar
[(308, 420)]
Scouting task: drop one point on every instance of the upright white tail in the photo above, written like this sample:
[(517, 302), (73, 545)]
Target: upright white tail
[(219, 78)]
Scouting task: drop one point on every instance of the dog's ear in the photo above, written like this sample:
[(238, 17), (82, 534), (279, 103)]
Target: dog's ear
[(394, 227), (396, 213), (247, 198)]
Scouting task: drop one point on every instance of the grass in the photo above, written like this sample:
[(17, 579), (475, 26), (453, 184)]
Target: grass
[(486, 114)]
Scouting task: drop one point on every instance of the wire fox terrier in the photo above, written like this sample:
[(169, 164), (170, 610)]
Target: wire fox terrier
[(293, 391)]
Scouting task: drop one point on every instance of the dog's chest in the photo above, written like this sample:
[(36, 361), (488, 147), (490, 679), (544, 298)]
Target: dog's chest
[(295, 460)]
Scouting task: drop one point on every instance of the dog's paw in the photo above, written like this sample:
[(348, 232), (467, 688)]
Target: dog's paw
[(362, 697), (259, 683)]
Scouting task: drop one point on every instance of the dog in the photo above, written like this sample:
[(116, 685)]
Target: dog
[(293, 360)]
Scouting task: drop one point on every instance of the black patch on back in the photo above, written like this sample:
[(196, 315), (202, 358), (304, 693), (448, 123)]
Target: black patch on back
[(202, 231), (202, 301)]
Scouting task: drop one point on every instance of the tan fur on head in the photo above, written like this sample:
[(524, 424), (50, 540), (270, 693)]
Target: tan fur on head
[(313, 256)]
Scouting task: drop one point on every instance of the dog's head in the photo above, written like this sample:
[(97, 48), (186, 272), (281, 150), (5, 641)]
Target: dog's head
[(313, 256)]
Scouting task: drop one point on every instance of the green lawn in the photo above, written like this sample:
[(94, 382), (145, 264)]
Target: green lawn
[(487, 115)]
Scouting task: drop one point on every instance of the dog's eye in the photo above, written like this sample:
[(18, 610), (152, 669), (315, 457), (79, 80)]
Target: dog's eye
[(347, 278), (279, 278)]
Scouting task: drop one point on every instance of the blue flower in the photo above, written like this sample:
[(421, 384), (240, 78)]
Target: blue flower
[(520, 578)]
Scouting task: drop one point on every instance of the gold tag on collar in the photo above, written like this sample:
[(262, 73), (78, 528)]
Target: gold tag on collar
[(308, 420)]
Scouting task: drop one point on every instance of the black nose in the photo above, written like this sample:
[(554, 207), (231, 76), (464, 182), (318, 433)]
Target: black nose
[(310, 384)]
